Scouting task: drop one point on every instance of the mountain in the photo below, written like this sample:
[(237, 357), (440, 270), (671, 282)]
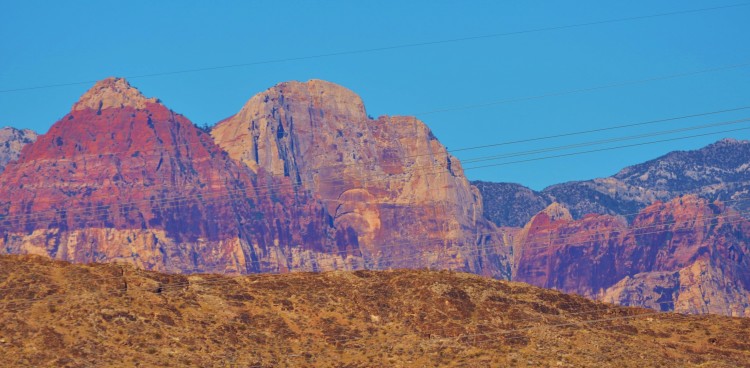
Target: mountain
[(11, 142), (56, 314), (720, 171), (299, 179), (687, 255), (388, 180)]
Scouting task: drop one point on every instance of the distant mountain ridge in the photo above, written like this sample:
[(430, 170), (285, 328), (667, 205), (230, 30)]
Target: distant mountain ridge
[(719, 171)]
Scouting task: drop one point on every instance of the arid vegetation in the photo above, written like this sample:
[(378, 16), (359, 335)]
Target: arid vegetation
[(58, 314)]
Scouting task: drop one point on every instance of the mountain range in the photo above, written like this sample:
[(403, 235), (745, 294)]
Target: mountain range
[(302, 179)]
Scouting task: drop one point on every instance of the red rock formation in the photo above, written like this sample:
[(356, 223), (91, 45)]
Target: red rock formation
[(300, 179), (686, 254)]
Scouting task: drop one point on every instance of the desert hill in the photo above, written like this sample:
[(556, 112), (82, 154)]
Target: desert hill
[(59, 314)]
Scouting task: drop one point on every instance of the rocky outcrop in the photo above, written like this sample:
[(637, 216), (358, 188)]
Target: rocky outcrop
[(11, 142), (299, 179), (687, 255), (387, 182), (720, 171)]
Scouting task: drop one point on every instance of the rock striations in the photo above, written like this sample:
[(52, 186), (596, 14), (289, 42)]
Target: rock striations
[(299, 179)]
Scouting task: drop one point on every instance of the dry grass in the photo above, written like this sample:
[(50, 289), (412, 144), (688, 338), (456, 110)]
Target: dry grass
[(57, 314)]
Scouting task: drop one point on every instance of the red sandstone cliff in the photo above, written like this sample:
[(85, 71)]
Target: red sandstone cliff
[(686, 255)]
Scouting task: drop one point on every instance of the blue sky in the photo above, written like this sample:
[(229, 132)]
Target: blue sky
[(50, 42)]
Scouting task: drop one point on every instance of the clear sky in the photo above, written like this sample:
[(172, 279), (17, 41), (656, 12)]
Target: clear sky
[(51, 42)]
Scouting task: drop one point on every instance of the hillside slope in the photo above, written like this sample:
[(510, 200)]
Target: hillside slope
[(63, 315)]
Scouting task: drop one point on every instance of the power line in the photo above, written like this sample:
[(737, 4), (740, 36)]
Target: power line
[(483, 158), (581, 132), (603, 149), (401, 46), (603, 141)]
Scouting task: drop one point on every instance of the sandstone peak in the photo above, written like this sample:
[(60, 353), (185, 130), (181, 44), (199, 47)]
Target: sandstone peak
[(330, 97), (112, 93)]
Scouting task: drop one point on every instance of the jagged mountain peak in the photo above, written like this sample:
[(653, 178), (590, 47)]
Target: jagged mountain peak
[(112, 92)]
